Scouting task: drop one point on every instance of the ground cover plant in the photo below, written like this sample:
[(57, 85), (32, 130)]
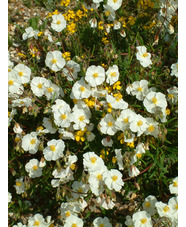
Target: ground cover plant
[(93, 114)]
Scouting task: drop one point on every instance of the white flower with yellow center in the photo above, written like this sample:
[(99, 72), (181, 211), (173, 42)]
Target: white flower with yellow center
[(33, 169), (149, 204), (30, 143), (36, 220), (163, 209), (140, 89), (173, 187), (51, 91), (79, 189), (60, 106), (101, 222), (73, 221), (67, 210), (96, 177), (80, 119), (109, 12), (122, 122), (23, 72), (54, 60), (92, 162), (116, 102), (54, 150), (172, 95), (95, 75), (143, 56), (152, 127), (113, 179), (22, 102), (173, 204), (19, 185), (174, 69), (108, 125), (112, 74), (58, 22), (14, 84), (138, 124), (115, 4), (155, 101), (38, 85), (142, 219), (80, 90), (139, 151)]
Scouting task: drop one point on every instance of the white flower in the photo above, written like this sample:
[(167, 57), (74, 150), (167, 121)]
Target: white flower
[(129, 222), (52, 91), (119, 158), (108, 125), (54, 60), (96, 177), (60, 106), (133, 171), (19, 224), (122, 122), (71, 70), (29, 33), (33, 169), (17, 129), (37, 220), (163, 209), (143, 56), (140, 89), (58, 22), (19, 185), (47, 123), (107, 142), (97, 1), (67, 210), (73, 221), (123, 33), (14, 84), (109, 12), (173, 95), (174, 186), (113, 179), (22, 102), (23, 72), (9, 197), (154, 101), (93, 23), (174, 68), (80, 118), (173, 204), (92, 162), (39, 85), (112, 74), (80, 189), (101, 222), (54, 150), (138, 153), (138, 124), (105, 203), (117, 25), (142, 219), (115, 4), (149, 204), (30, 142), (116, 101), (80, 90), (152, 127), (95, 75)]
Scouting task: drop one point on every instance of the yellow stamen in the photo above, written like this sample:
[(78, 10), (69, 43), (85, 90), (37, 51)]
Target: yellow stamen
[(154, 100), (114, 178), (139, 89), (107, 13), (175, 184), (58, 22), (18, 184), (63, 116), (74, 225), (67, 214), (176, 206), (82, 118), (101, 225), (110, 124), (126, 120), (10, 82), (33, 141), (35, 167), (145, 55), (20, 73), (39, 85), (52, 148), (143, 221), (147, 204), (49, 90), (82, 88), (138, 155), (73, 166), (113, 74), (95, 75), (36, 223), (54, 61), (93, 160), (151, 128), (140, 123), (166, 209), (99, 177)]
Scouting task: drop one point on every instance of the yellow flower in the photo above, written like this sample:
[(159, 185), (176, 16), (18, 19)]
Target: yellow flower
[(65, 2), (100, 25), (66, 56)]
